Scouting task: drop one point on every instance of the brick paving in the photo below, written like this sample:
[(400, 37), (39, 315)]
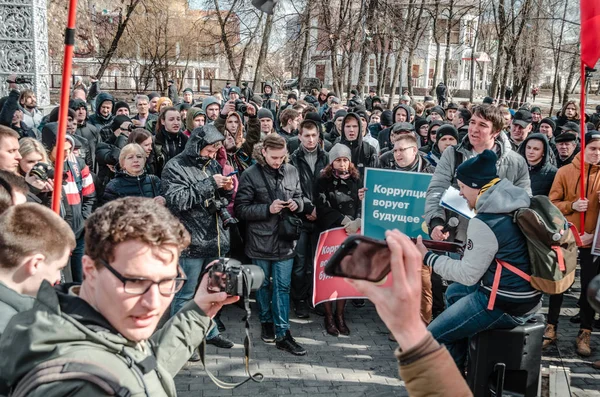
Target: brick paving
[(361, 364)]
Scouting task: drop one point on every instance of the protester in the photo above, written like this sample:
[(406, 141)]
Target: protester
[(32, 116), (11, 115), (131, 179), (104, 111), (266, 122), (569, 112), (170, 140), (363, 154), (154, 163), (401, 113), (565, 195), (86, 129), (13, 191), (339, 190), (520, 128), (194, 188), (445, 136), (9, 150), (267, 189), (289, 120), (172, 93), (309, 159), (484, 133), (405, 156), (35, 244), (566, 147), (211, 107), (461, 122), (107, 152), (110, 320), (194, 118), (492, 236), (142, 104), (537, 152)]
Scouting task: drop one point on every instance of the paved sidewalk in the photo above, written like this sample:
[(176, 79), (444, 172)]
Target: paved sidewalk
[(359, 365)]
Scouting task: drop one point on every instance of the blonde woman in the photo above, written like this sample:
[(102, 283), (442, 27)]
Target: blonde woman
[(32, 152)]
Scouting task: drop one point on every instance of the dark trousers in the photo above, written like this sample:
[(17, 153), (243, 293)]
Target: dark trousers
[(76, 258), (589, 269), (302, 271), (438, 290)]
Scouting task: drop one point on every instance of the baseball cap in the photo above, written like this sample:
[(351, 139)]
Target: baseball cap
[(570, 126), (522, 118)]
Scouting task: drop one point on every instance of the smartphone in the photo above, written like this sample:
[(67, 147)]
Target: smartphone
[(232, 173), (361, 258), (365, 258)]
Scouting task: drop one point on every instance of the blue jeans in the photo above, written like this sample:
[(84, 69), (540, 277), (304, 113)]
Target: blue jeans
[(467, 315), (192, 267), (76, 258), (274, 307)]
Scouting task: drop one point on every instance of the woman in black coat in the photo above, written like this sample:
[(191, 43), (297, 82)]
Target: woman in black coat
[(339, 191), (131, 178)]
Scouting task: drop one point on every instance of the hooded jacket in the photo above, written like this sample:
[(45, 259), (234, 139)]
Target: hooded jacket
[(510, 166), (125, 185), (169, 145), (269, 100), (363, 154), (336, 199), (87, 130), (542, 174), (63, 326), (308, 178), (11, 303), (7, 111), (492, 235), (107, 158), (192, 113), (385, 143), (98, 120), (252, 204), (241, 159), (565, 191), (188, 186)]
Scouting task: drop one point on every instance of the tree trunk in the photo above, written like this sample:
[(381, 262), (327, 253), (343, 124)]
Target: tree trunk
[(396, 74), (570, 77), (366, 49), (556, 88), (305, 45), (264, 48), (409, 65), (115, 42), (447, 52)]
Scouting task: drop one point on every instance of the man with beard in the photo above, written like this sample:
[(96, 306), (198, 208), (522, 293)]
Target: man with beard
[(85, 129), (153, 98), (211, 107), (32, 117)]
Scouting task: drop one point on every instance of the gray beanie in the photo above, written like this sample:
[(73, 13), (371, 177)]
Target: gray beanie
[(265, 113), (339, 150)]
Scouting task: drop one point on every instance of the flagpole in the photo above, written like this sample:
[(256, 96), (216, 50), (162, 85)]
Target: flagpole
[(65, 89), (582, 128)]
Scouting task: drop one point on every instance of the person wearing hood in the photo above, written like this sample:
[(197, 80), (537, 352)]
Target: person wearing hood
[(195, 118), (405, 156), (86, 130), (131, 179), (445, 136), (79, 192), (107, 152), (401, 113), (104, 111), (195, 188), (170, 140), (211, 107), (565, 195), (11, 115), (188, 96), (433, 126), (461, 122), (484, 133), (267, 189), (333, 129), (270, 102), (493, 236), (363, 154), (422, 129), (364, 119), (247, 92), (441, 92), (538, 154)]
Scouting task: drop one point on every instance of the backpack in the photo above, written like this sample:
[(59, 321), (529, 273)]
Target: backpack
[(552, 245)]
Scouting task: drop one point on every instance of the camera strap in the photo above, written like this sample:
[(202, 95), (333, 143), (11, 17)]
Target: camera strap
[(257, 377)]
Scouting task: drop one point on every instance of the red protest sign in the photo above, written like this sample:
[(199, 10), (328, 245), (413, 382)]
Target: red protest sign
[(328, 288)]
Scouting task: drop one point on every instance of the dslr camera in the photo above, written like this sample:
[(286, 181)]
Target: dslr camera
[(20, 80), (241, 106), (44, 171), (218, 205), (230, 276)]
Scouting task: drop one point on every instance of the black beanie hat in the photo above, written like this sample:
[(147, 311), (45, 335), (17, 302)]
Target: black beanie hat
[(339, 113), (439, 110), (117, 121), (420, 122), (478, 171), (264, 114), (550, 122), (119, 105), (292, 95), (433, 124), (153, 95), (446, 129), (386, 118)]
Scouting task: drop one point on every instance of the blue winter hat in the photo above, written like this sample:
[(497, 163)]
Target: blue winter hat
[(478, 171)]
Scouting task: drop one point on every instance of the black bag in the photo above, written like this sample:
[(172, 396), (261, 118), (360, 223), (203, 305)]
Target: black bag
[(290, 226)]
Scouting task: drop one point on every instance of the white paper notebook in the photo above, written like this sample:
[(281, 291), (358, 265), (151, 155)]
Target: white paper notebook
[(452, 200)]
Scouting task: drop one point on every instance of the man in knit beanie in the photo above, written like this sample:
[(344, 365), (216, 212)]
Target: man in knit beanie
[(492, 236)]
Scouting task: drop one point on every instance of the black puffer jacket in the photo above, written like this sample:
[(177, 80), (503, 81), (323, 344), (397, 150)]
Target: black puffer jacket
[(125, 185), (337, 198), (308, 179), (542, 174), (169, 145), (186, 185), (252, 205), (363, 154), (107, 157), (97, 119)]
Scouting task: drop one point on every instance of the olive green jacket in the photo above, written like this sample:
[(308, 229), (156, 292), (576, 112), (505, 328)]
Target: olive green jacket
[(61, 325)]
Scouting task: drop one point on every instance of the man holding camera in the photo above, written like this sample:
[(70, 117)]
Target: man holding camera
[(100, 336), (269, 194), (197, 193)]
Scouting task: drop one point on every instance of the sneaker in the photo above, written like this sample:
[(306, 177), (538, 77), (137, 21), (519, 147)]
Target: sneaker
[(583, 343), (288, 344), (358, 302), (220, 341), (267, 333), (549, 336), (576, 319), (301, 309), (220, 325), (195, 356)]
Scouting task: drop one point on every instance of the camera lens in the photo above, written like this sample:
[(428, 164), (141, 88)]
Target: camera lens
[(255, 276)]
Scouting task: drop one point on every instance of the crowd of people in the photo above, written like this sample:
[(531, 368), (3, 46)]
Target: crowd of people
[(221, 175)]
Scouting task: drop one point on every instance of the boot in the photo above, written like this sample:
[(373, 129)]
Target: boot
[(583, 343), (549, 336), (330, 326), (341, 324)]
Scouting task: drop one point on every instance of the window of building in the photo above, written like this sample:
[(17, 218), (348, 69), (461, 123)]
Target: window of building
[(441, 29)]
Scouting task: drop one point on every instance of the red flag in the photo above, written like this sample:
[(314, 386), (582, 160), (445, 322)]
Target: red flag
[(590, 31)]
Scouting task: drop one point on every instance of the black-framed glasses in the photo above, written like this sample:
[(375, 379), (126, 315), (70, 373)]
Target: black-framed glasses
[(141, 285)]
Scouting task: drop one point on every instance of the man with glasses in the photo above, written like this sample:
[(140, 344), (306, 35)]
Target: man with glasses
[(105, 327)]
